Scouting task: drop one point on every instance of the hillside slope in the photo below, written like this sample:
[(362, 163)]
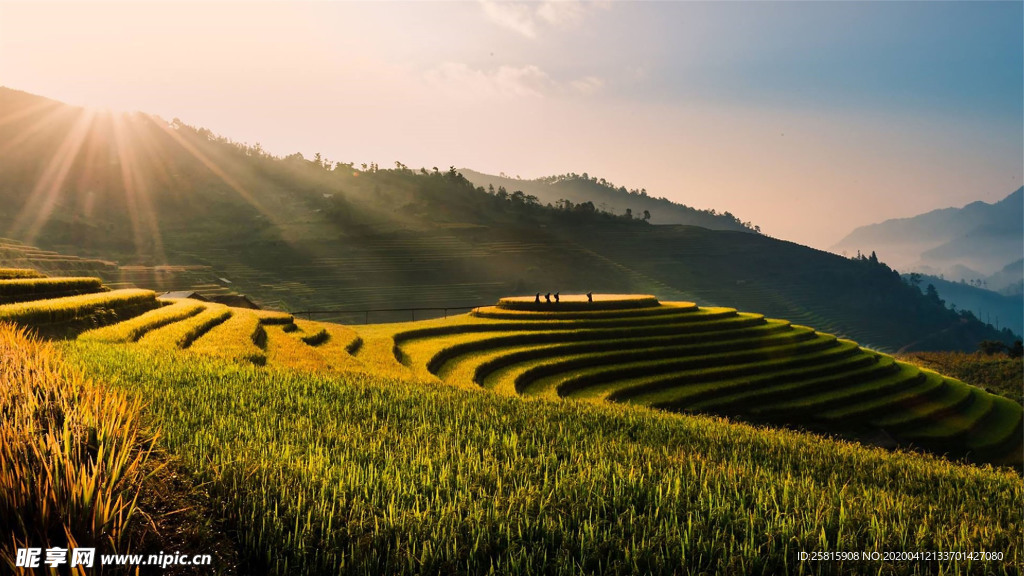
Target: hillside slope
[(991, 307), (328, 469), (582, 188), (619, 348), (355, 474), (181, 208), (680, 357)]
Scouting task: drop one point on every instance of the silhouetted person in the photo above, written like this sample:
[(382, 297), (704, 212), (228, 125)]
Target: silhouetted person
[(590, 296), (556, 297), (537, 298), (548, 296)]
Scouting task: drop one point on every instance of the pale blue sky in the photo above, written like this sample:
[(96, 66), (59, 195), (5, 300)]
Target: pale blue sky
[(809, 118)]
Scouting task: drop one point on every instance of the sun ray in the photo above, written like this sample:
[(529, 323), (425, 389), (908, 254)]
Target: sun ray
[(220, 173), (155, 156), (29, 110), (145, 227), (45, 120), (44, 196)]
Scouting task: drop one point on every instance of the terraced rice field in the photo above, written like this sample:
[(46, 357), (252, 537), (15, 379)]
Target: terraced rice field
[(632, 349), (242, 335), (18, 254), (62, 305), (132, 316), (681, 357)]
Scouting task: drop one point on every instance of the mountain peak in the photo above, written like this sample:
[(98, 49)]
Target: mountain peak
[(980, 236)]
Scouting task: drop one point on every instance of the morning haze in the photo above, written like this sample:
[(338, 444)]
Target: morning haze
[(808, 118)]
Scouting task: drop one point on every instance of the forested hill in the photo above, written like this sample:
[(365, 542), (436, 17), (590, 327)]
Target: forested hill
[(179, 207), (571, 189)]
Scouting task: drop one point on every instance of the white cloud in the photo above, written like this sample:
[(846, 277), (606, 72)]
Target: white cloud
[(457, 80), (516, 16), (588, 84), (526, 17), (560, 11), (504, 82)]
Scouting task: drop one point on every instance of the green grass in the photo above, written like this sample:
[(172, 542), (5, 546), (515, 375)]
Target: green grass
[(475, 357), (359, 474), (900, 401), (537, 335), (826, 370), (950, 399), (686, 363), (574, 356), (705, 318), (833, 397), (691, 385)]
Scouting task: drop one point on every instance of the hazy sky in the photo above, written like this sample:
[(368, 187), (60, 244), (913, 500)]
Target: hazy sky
[(808, 118)]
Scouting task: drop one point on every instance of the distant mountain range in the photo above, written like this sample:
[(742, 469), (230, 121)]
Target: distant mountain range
[(976, 242), (606, 197)]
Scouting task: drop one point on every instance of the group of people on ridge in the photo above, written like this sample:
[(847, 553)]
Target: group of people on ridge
[(547, 297)]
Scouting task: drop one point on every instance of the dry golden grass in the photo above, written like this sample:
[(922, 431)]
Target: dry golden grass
[(240, 338), (133, 329), (75, 308), (10, 273), (329, 353), (183, 333), (72, 454)]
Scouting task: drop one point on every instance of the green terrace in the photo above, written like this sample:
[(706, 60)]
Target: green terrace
[(683, 358), (611, 348)]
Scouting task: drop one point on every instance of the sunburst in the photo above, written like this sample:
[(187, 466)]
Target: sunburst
[(143, 161)]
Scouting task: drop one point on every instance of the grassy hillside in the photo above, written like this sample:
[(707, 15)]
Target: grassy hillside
[(628, 349), (177, 207), (680, 357), (81, 467), (321, 449), (362, 474), (619, 348), (998, 373)]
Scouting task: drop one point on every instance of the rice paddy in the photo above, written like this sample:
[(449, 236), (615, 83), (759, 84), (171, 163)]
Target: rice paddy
[(88, 309), (12, 273), (23, 289), (631, 349), (409, 448), (683, 358), (133, 329), (362, 474)]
